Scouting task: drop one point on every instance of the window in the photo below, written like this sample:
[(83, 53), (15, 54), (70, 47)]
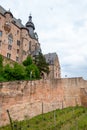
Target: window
[(17, 51), (8, 55), (30, 46), (18, 42), (0, 42), (17, 58), (9, 47), (0, 33), (10, 39)]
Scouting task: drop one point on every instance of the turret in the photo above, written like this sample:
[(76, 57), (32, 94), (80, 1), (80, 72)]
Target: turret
[(30, 26)]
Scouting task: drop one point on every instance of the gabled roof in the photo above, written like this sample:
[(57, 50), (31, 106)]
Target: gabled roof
[(18, 22), (14, 20), (50, 58)]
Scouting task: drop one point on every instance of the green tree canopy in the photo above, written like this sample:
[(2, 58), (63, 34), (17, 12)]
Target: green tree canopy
[(1, 61), (8, 72), (28, 61), (40, 61), (19, 72), (32, 71)]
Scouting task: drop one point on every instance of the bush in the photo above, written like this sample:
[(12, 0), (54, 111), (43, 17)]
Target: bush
[(19, 72), (28, 61), (8, 72), (32, 71)]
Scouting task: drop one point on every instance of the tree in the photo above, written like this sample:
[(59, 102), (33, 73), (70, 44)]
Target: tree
[(8, 72), (32, 71), (1, 68), (28, 61), (19, 72), (40, 61), (1, 61)]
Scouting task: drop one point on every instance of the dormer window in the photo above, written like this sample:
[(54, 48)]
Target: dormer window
[(10, 39)]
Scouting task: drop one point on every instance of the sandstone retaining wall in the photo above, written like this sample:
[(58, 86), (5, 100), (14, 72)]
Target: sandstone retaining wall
[(30, 98)]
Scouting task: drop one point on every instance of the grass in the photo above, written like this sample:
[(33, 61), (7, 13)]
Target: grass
[(71, 118)]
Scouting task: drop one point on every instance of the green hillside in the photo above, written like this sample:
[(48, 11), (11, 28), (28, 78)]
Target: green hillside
[(72, 118)]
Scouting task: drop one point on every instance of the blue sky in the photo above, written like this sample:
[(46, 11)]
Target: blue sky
[(62, 28)]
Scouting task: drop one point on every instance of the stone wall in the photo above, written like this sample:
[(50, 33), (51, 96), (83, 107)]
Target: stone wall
[(83, 94), (30, 98)]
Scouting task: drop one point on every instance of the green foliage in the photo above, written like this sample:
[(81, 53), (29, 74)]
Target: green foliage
[(18, 72), (1, 67), (28, 61), (1, 61), (2, 79), (28, 70), (8, 72), (40, 61), (32, 71), (71, 118)]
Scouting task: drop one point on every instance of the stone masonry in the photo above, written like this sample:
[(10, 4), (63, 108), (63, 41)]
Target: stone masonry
[(28, 98)]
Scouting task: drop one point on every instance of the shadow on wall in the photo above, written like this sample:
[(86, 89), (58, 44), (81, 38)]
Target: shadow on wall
[(83, 95)]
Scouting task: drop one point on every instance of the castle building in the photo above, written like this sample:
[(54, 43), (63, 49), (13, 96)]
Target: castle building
[(54, 65), (16, 40)]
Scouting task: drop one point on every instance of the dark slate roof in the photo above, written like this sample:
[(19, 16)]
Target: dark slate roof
[(15, 21), (18, 22), (36, 52), (2, 10), (50, 58), (30, 23), (33, 36)]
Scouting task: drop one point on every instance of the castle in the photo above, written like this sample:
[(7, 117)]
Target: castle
[(30, 98), (18, 41)]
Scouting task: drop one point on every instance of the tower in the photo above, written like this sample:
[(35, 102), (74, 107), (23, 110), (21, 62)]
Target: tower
[(30, 26)]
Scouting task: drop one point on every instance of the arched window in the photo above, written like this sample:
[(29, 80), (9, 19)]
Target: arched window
[(10, 38)]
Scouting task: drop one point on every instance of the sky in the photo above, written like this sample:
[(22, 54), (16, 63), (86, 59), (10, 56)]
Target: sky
[(61, 26)]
